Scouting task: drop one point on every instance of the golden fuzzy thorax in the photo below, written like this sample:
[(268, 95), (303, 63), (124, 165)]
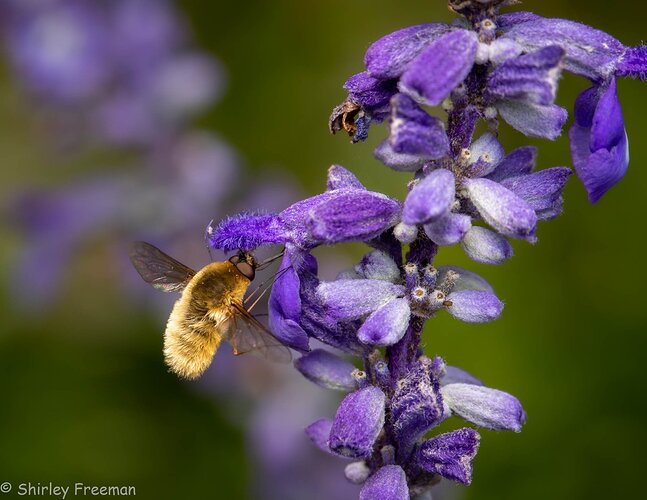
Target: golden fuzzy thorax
[(200, 318)]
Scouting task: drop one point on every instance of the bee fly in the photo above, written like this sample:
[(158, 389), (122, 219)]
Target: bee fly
[(210, 309)]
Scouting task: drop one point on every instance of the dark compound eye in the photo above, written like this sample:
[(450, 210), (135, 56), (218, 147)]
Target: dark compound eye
[(245, 269)]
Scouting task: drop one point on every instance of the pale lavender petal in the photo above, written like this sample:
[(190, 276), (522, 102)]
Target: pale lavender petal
[(388, 483), (319, 433), (326, 370), (440, 68), (474, 306), (342, 178), (389, 56), (378, 265), (486, 247), (485, 154), (358, 422), (455, 375), (357, 472), (502, 209), (449, 230), (467, 280), (534, 120), (431, 198), (450, 455), (485, 407), (401, 162), (387, 325), (352, 299)]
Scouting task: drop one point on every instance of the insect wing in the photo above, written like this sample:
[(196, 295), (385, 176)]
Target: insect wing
[(160, 270), (247, 334)]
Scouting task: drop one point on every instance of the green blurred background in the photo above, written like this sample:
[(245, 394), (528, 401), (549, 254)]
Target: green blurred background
[(84, 395)]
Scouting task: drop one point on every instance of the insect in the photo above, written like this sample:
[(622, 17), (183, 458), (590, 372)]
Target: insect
[(210, 309)]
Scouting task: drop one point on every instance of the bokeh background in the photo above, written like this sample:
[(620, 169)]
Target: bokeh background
[(84, 394)]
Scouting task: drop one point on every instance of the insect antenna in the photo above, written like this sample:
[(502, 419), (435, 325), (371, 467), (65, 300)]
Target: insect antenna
[(262, 265)]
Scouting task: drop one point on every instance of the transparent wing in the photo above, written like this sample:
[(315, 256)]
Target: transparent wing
[(247, 334), (160, 270)]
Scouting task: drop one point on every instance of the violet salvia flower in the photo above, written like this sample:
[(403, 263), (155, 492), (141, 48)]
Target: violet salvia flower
[(484, 67)]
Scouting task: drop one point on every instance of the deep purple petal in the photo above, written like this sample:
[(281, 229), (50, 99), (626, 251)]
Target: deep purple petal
[(326, 370), (474, 306), (387, 324), (247, 231), (540, 189), (440, 68), (352, 299), (589, 52), (608, 128), (342, 178), (521, 161), (633, 63), (534, 120), (430, 199), (387, 58), (415, 132), (485, 407), (351, 215), (450, 455), (358, 422), (388, 483), (532, 77), (416, 405), (502, 209), (448, 230), (371, 94), (485, 246)]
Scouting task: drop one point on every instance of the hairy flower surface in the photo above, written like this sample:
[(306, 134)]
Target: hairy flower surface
[(467, 190)]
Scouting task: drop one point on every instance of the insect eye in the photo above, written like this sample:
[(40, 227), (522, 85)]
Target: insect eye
[(245, 269)]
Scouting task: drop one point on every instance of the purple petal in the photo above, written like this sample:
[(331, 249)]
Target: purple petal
[(371, 94), (415, 132), (352, 299), (485, 246), (441, 67), (401, 162), (387, 58), (388, 483), (541, 189), (532, 77), (449, 230), (247, 231), (416, 405), (285, 308), (502, 209), (485, 154), (352, 215), (474, 306), (319, 433), (387, 325), (589, 52), (521, 161), (485, 407), (358, 422), (378, 265), (450, 455), (599, 144), (326, 370), (455, 375), (431, 198), (510, 19), (633, 63), (341, 178), (534, 120)]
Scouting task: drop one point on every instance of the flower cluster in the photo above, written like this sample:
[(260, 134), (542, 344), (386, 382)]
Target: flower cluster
[(484, 67)]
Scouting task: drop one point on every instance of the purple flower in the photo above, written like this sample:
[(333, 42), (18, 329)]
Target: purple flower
[(327, 370), (450, 455), (388, 483)]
